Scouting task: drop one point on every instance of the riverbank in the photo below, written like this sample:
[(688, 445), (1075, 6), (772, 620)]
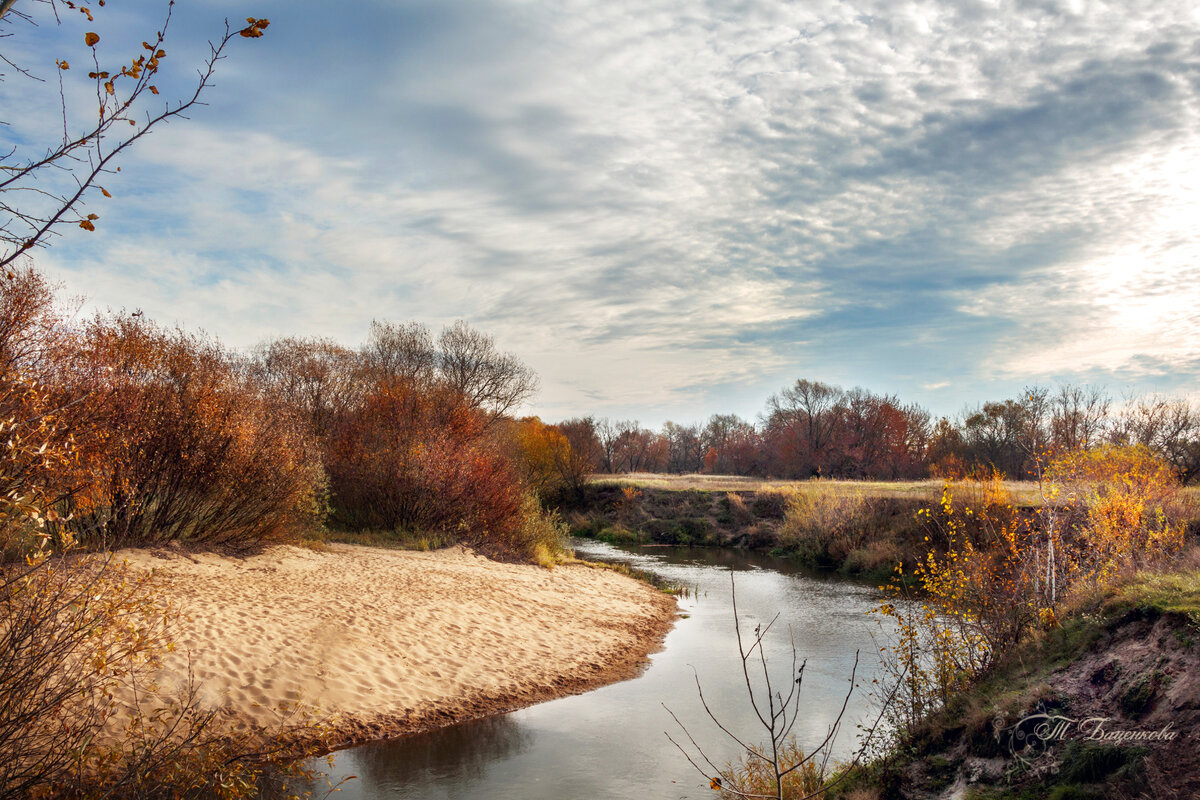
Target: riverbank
[(382, 643), (856, 529), (1105, 705)]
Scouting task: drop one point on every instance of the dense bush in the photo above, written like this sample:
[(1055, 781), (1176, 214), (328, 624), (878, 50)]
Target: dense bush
[(418, 459), (176, 444), (996, 573)]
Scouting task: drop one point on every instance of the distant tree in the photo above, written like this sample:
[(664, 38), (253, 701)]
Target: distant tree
[(582, 458), (723, 435), (1077, 417), (685, 447), (800, 423), (1012, 435), (1168, 426), (743, 450), (608, 433), (638, 449)]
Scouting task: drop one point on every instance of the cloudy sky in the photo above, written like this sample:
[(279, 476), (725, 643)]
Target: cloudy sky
[(670, 207)]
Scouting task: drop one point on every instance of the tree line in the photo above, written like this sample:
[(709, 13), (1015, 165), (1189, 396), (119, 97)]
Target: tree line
[(815, 429)]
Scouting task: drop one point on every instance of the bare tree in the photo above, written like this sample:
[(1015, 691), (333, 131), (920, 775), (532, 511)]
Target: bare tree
[(403, 351), (318, 376), (685, 447), (802, 414), (779, 758), (45, 187), (609, 435), (1077, 416), (1169, 426), (490, 380)]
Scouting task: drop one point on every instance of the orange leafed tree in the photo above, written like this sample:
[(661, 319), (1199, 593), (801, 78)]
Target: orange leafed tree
[(537, 451)]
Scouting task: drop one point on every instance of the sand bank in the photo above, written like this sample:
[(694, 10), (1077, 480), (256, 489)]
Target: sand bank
[(388, 642)]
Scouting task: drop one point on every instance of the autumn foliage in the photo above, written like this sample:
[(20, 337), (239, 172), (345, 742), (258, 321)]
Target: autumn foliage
[(996, 573), (175, 444), (80, 635), (120, 432), (402, 457)]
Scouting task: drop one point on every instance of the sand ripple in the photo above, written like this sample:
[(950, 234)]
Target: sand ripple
[(387, 642)]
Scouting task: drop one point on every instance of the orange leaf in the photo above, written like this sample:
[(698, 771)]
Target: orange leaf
[(90, 39), (87, 225), (104, 192), (153, 89)]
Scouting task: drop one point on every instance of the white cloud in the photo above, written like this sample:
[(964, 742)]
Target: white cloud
[(647, 199)]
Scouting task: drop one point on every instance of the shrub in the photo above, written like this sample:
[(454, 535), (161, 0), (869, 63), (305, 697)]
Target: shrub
[(824, 523), (753, 775), (769, 504), (977, 593), (80, 635), (540, 537), (1127, 494), (175, 444), (739, 513), (995, 574), (537, 450), (409, 459)]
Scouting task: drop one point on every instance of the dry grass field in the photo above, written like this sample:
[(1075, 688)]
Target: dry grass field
[(1025, 491)]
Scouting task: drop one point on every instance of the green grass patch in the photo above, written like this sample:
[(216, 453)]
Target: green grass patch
[(1167, 593)]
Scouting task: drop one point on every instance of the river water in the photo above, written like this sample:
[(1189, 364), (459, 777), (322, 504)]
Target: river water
[(611, 742)]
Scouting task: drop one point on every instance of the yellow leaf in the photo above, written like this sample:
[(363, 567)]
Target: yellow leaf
[(90, 39), (63, 65), (108, 87), (87, 225), (715, 784)]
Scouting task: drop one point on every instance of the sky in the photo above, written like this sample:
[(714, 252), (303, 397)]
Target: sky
[(667, 208)]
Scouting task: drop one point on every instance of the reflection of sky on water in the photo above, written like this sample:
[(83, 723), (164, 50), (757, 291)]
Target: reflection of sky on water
[(610, 742)]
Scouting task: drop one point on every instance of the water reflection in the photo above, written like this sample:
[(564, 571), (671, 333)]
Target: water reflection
[(610, 742), (461, 752)]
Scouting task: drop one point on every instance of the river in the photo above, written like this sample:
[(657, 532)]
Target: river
[(611, 742)]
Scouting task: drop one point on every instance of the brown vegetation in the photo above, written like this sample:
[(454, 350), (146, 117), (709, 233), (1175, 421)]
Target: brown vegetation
[(812, 429)]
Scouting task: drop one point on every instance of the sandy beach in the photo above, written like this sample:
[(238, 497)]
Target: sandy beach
[(388, 642)]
